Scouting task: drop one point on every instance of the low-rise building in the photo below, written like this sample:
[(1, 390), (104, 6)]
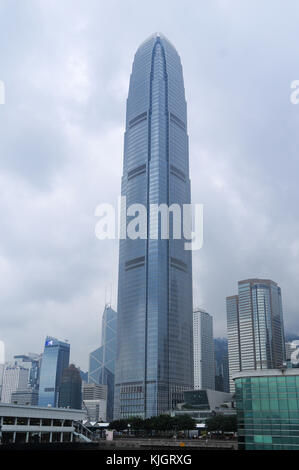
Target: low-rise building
[(36, 424), (267, 403), (202, 404)]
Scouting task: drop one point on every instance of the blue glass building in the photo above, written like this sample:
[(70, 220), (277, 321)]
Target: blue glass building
[(154, 352), (102, 360), (54, 361)]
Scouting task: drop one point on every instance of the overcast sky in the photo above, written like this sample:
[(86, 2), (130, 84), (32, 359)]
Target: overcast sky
[(66, 67)]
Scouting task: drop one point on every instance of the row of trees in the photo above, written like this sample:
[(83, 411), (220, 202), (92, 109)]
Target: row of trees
[(165, 423), (156, 423)]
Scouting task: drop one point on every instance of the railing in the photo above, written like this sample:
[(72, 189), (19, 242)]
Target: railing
[(82, 431)]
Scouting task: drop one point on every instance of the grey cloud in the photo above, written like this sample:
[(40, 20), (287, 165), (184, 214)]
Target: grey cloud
[(66, 67)]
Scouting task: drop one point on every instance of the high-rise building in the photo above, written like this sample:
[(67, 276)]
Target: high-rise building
[(102, 360), (255, 327), (203, 350), (221, 365), (154, 354), (14, 378), (34, 362), (70, 390), (95, 401), (54, 361)]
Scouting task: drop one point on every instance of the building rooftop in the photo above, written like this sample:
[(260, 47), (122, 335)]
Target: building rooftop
[(7, 409), (266, 373)]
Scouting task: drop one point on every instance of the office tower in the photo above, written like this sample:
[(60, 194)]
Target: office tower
[(255, 327), (154, 354), (267, 409), (28, 397), (70, 390), (102, 360), (34, 362), (221, 365), (288, 349), (14, 377), (95, 401), (55, 359), (203, 350)]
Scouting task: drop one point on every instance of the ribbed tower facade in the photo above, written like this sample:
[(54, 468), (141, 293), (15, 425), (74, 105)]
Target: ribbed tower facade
[(154, 348), (255, 328)]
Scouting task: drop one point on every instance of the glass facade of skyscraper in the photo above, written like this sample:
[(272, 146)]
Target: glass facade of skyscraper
[(255, 327), (267, 405), (102, 360), (70, 390), (154, 354), (203, 350), (54, 361)]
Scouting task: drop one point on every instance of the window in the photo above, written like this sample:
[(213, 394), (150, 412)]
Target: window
[(9, 420), (22, 421), (34, 422)]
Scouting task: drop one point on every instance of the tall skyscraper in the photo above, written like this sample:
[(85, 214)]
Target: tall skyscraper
[(55, 359), (154, 352), (255, 327), (203, 350), (14, 378), (70, 390), (221, 365), (102, 360)]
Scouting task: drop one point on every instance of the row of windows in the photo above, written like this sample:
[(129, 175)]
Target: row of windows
[(23, 421)]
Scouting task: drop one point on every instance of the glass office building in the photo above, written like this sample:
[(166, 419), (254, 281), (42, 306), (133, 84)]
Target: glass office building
[(154, 353), (102, 360), (70, 390), (203, 350), (54, 361), (255, 328), (267, 403)]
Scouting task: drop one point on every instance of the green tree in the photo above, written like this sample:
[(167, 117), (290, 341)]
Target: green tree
[(160, 423), (184, 422), (222, 423)]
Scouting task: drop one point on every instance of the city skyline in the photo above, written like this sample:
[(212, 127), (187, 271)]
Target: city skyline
[(63, 154)]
